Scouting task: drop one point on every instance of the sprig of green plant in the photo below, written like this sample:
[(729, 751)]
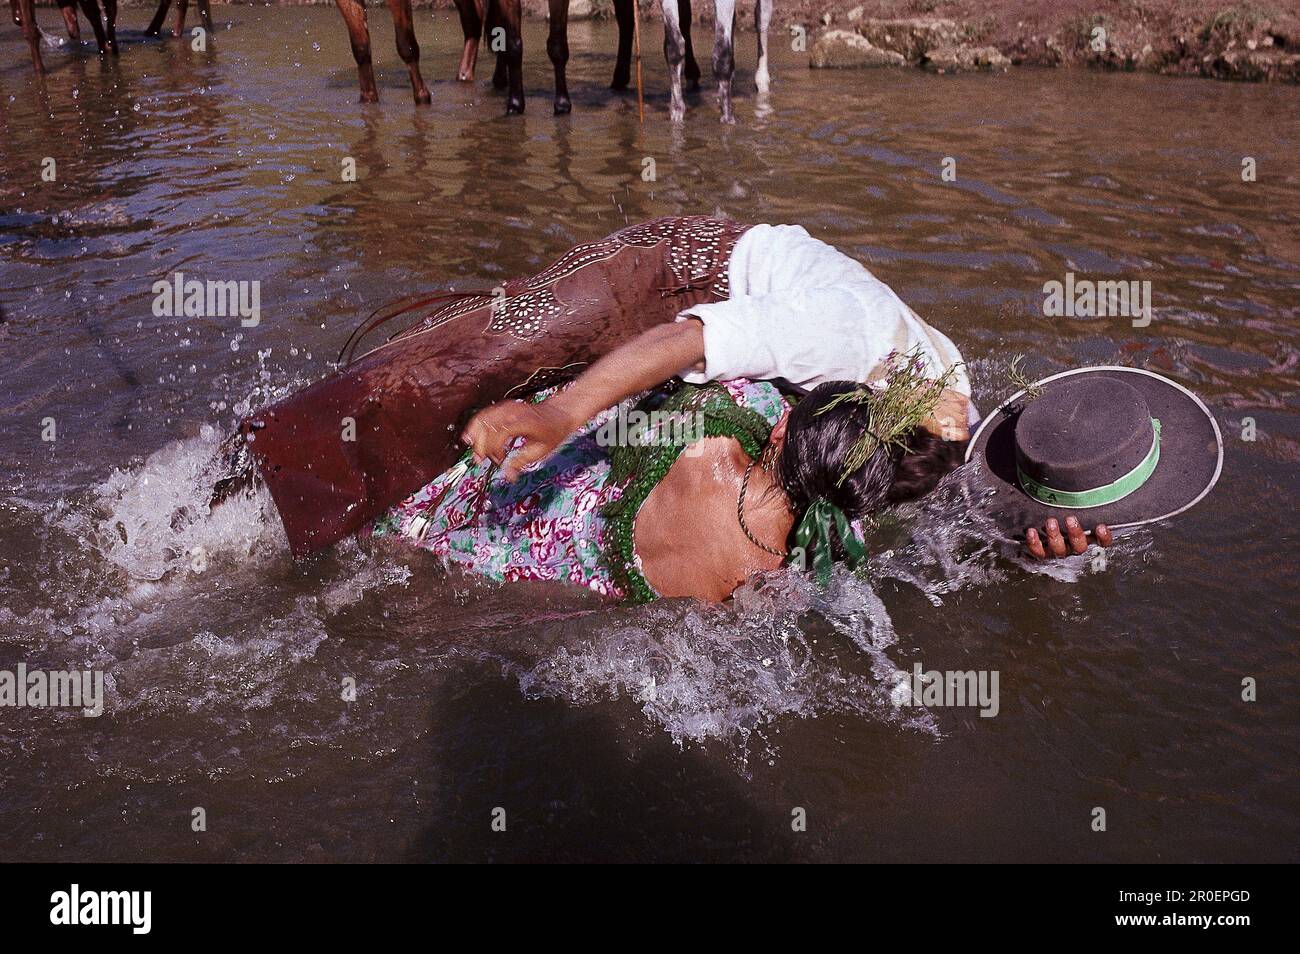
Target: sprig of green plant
[(895, 409), (1021, 381)]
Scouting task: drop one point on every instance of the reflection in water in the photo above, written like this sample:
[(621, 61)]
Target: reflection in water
[(676, 730)]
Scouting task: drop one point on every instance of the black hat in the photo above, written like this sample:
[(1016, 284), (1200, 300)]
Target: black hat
[(1119, 446)]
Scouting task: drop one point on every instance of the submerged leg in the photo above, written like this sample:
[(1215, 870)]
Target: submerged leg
[(91, 9), (557, 48), (182, 7), (623, 64), (511, 13), (155, 25), (724, 55), (407, 47), (692, 68), (110, 22), (354, 15), (762, 19), (68, 9), (205, 15), (32, 35), (471, 25), (675, 54)]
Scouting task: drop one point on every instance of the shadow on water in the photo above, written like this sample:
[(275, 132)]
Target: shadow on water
[(575, 790)]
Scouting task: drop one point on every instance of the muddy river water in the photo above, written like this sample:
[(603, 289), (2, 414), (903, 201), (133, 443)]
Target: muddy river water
[(675, 731)]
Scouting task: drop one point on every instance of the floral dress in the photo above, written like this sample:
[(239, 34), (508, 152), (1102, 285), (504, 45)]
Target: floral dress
[(554, 522)]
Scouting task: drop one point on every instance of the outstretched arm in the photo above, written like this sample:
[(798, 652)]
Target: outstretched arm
[(646, 361)]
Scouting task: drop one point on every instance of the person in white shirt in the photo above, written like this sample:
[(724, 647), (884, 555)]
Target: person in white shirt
[(823, 396)]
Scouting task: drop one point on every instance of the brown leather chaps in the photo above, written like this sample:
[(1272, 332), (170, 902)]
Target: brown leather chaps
[(338, 453)]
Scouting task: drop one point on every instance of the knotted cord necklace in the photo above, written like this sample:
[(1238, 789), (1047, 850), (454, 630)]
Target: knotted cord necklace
[(740, 515)]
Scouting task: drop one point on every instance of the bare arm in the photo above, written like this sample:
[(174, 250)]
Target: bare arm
[(646, 361)]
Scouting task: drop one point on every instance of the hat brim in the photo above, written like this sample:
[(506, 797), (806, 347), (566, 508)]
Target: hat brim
[(1191, 458)]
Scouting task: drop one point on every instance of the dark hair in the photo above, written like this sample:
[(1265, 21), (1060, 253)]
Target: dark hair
[(811, 462)]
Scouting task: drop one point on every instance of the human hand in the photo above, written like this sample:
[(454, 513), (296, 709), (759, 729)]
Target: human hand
[(950, 416), (492, 431), (1075, 541)]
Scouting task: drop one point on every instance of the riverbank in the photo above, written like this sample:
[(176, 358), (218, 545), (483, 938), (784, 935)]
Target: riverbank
[(1237, 41)]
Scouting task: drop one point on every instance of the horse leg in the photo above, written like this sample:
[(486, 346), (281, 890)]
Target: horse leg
[(182, 6), (32, 35), (16, 13), (724, 55), (762, 19), (68, 9), (205, 15), (675, 54), (623, 65), (557, 47), (408, 49), (496, 33), (354, 15), (511, 13), (155, 25), (692, 67), (471, 24), (110, 21), (91, 9)]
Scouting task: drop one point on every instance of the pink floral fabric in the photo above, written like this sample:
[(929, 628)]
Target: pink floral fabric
[(545, 526)]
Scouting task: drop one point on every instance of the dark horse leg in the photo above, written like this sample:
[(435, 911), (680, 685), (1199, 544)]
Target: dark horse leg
[(623, 65), (407, 48), (155, 25), (692, 67), (557, 47), (32, 34), (91, 9), (110, 21), (506, 15), (471, 24), (205, 15), (354, 15)]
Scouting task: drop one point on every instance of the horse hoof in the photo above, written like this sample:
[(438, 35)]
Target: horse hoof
[(514, 107), (464, 77), (369, 97), (563, 106), (422, 98)]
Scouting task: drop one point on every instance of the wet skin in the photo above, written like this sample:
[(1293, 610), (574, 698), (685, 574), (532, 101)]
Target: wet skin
[(1075, 540)]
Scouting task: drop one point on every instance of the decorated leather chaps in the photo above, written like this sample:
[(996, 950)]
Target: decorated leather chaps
[(338, 453)]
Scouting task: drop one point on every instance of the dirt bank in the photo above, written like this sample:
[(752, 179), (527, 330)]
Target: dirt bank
[(1251, 41)]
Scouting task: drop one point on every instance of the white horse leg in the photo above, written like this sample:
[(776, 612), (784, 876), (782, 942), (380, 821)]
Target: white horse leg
[(675, 54), (762, 18), (724, 54)]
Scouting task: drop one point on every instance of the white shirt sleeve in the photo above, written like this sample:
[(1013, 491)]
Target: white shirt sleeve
[(803, 311)]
